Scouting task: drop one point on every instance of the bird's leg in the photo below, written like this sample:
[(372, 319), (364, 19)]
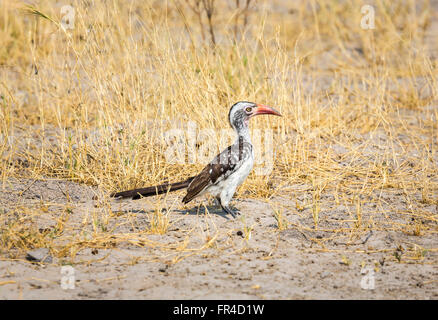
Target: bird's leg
[(227, 209), (217, 201)]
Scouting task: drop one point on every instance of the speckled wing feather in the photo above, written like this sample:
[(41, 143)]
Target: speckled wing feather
[(224, 164)]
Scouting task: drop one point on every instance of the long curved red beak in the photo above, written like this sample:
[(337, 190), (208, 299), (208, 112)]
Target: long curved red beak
[(262, 109)]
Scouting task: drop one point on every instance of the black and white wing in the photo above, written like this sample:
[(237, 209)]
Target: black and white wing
[(224, 164)]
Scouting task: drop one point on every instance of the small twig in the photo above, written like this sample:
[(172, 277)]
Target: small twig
[(367, 237), (27, 188), (246, 13), (196, 8), (356, 244), (209, 10), (62, 191)]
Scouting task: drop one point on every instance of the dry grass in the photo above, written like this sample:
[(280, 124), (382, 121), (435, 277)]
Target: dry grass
[(92, 105)]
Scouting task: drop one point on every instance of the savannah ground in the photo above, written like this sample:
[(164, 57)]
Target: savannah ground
[(348, 207)]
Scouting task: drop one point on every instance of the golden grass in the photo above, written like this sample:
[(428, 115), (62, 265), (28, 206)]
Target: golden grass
[(360, 106)]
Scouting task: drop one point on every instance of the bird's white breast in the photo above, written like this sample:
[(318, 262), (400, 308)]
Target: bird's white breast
[(225, 188)]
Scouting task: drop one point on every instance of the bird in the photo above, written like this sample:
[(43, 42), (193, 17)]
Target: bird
[(228, 170)]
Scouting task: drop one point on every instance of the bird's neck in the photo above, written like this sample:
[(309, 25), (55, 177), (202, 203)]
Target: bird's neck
[(243, 133)]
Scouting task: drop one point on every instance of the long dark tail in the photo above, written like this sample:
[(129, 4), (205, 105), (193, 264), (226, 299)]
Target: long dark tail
[(152, 191)]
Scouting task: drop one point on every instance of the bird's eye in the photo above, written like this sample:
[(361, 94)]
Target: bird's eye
[(249, 109)]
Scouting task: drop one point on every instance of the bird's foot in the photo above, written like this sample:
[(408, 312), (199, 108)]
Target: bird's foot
[(230, 211), (232, 214)]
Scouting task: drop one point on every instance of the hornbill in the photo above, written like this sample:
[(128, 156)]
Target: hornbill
[(228, 169)]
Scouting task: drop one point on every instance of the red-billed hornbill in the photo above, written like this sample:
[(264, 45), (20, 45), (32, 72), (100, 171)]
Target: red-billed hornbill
[(228, 169)]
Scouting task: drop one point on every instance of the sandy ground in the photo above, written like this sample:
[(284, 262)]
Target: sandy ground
[(270, 264)]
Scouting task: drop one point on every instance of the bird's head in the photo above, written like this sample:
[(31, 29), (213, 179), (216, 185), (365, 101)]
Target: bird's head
[(242, 111)]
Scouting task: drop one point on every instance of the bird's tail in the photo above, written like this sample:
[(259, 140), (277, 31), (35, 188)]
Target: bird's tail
[(152, 191)]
